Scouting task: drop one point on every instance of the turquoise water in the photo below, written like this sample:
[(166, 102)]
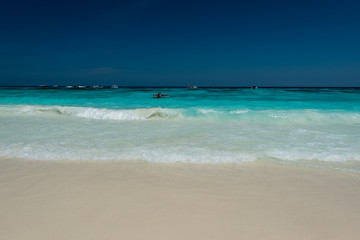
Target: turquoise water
[(207, 125)]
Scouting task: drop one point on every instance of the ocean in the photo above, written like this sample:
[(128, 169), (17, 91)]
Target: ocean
[(308, 126)]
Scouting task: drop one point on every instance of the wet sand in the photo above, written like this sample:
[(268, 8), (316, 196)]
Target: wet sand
[(136, 200)]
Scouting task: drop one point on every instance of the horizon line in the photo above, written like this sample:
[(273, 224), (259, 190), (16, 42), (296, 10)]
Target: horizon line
[(183, 86)]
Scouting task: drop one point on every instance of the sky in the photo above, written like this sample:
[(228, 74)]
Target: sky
[(179, 43)]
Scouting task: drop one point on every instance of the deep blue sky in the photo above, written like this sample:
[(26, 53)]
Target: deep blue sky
[(177, 43)]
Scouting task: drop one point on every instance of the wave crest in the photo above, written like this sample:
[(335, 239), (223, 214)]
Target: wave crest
[(95, 113), (291, 116)]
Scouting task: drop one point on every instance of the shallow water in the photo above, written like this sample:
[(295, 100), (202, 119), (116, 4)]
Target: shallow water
[(207, 125)]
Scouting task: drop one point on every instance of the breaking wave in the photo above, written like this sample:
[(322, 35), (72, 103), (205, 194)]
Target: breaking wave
[(95, 113), (192, 135), (304, 116)]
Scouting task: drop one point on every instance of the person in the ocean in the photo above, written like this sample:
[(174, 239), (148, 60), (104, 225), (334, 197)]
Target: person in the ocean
[(159, 95)]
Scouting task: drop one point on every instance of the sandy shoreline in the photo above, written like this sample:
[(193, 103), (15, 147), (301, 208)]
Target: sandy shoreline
[(120, 200)]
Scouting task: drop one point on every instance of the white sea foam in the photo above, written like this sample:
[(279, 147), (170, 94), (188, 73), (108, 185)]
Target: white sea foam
[(171, 135), (241, 111), (94, 113), (307, 116), (206, 111)]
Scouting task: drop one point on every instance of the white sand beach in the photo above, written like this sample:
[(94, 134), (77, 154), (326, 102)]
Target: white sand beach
[(136, 200)]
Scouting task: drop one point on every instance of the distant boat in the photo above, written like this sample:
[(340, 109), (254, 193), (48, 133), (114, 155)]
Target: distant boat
[(80, 86), (254, 87), (97, 86), (114, 86), (160, 95), (45, 87), (191, 87), (69, 86)]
